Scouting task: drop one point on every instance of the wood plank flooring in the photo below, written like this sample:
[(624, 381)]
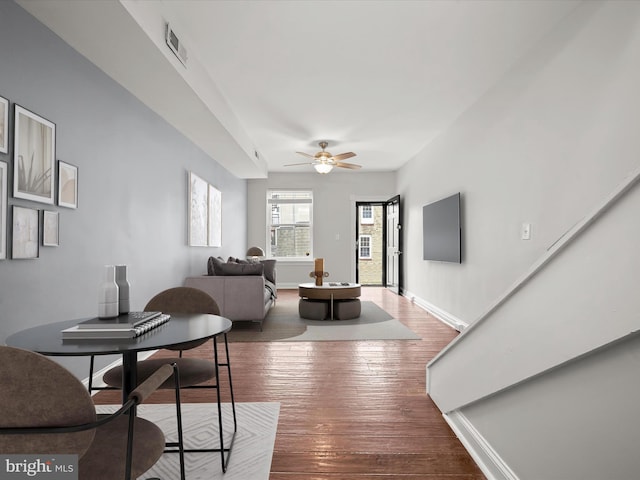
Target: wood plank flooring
[(349, 410)]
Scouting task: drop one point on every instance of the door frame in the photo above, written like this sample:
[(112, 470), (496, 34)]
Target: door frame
[(376, 203), (376, 200), (395, 200)]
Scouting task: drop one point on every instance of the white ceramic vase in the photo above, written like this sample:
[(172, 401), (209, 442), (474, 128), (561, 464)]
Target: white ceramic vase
[(108, 294), (123, 288)]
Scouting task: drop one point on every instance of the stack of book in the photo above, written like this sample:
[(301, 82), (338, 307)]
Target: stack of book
[(128, 325)]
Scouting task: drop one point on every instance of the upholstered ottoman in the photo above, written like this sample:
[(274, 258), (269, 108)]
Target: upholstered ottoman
[(346, 309), (313, 309)]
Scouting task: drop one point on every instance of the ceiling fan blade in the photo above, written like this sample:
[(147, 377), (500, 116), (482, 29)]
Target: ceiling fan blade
[(306, 155), (296, 164), (351, 166), (343, 156)]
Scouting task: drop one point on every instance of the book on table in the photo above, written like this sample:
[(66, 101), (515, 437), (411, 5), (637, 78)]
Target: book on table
[(126, 320), (113, 331)]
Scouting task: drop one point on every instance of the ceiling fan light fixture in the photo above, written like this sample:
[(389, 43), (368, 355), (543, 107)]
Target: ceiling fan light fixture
[(324, 162), (323, 167)]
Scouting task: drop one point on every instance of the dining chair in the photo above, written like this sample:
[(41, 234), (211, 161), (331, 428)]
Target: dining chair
[(47, 411), (192, 372)]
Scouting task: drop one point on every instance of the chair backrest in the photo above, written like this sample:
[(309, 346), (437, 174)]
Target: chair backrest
[(183, 300), (38, 392)]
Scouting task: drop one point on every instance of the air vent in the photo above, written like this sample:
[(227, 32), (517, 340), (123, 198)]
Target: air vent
[(175, 45)]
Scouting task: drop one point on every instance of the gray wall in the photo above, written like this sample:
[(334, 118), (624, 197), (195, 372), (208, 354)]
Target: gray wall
[(535, 381), (334, 217), (133, 187)]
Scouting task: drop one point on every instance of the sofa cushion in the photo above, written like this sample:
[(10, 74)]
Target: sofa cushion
[(269, 269), (238, 269)]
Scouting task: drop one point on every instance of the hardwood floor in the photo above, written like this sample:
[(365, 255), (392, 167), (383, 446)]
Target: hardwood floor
[(349, 410)]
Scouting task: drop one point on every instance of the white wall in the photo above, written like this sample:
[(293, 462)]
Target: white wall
[(537, 381), (543, 146), (581, 300), (584, 423), (334, 211)]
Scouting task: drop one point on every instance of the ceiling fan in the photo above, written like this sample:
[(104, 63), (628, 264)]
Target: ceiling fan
[(324, 162)]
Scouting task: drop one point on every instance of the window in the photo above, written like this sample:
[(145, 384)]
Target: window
[(364, 246), (366, 214), (289, 221)]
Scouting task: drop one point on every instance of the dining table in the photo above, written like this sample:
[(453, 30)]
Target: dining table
[(47, 340)]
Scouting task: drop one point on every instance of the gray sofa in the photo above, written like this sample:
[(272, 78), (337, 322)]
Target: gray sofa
[(244, 291)]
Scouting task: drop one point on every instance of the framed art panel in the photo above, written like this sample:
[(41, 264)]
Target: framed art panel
[(215, 217), (198, 211), (25, 232), (4, 125), (3, 210), (67, 185), (50, 229), (34, 151)]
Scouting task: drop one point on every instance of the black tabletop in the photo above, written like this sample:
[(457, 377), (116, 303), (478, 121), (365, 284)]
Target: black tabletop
[(47, 339)]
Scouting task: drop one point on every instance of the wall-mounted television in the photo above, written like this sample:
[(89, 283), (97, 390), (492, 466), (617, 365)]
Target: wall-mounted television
[(441, 235)]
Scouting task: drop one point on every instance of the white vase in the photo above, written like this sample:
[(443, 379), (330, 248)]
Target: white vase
[(108, 294), (123, 288)]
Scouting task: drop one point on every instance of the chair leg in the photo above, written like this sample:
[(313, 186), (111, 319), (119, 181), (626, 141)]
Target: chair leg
[(217, 385), (179, 423), (91, 362), (90, 387), (127, 472), (233, 401), (225, 461), (180, 443)]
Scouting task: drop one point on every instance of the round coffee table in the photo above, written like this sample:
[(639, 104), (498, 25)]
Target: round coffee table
[(329, 292)]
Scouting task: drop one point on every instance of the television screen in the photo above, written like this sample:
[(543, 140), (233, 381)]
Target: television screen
[(441, 230)]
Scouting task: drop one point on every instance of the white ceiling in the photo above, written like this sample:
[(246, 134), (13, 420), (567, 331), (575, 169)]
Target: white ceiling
[(379, 78)]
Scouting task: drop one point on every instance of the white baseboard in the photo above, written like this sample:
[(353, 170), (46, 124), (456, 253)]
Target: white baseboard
[(442, 315), (97, 376), (491, 464)]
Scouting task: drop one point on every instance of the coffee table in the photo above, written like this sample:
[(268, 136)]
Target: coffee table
[(329, 292)]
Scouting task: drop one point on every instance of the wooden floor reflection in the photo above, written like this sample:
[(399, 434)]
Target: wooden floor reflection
[(349, 410)]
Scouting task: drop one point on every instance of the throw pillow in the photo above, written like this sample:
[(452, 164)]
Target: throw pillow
[(236, 260), (238, 269), (269, 269), (211, 263)]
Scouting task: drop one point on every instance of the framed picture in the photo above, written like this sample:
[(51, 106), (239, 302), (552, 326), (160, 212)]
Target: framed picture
[(4, 125), (50, 229), (215, 217), (3, 210), (34, 151), (25, 232), (198, 211), (67, 185)]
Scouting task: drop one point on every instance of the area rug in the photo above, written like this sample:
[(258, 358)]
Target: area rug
[(252, 450), (284, 324)]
